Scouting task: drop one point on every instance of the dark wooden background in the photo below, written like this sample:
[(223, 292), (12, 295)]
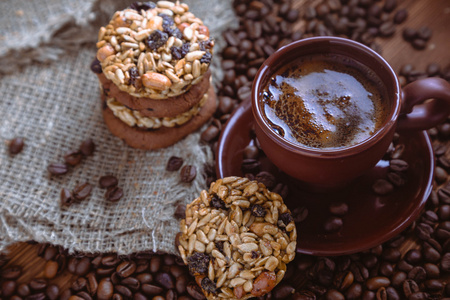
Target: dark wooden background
[(433, 13)]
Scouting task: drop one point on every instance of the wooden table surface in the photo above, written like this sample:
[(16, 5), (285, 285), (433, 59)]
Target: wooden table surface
[(433, 13)]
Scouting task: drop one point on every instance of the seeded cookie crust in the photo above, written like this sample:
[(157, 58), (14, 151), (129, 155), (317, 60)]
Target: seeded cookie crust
[(134, 118), (237, 239), (155, 50)]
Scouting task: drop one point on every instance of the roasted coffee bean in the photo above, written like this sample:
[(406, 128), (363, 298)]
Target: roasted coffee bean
[(409, 34), (38, 284), (84, 295), (124, 291), (73, 158), (108, 181), (386, 269), (266, 178), (126, 268), (82, 191), (433, 69), (354, 291), (23, 290), (419, 44), (150, 289), (16, 145), (211, 133), (79, 284), (410, 287), (174, 163), (282, 291), (343, 280), (369, 260), (434, 285), (91, 284), (445, 262), (333, 224), (251, 152), (432, 270), (50, 269), (8, 288), (110, 260), (155, 264), (360, 272), (195, 291), (398, 278), (413, 256), (83, 266), (244, 93), (334, 295), (418, 274), (165, 280), (65, 294), (424, 33), (338, 208), (132, 283), (37, 296), (430, 254), (87, 147), (180, 211), (139, 296), (377, 282), (250, 165), (66, 197), (389, 5), (440, 174), (105, 289), (382, 187), (398, 165), (11, 272), (424, 231), (114, 194), (400, 16), (57, 168), (188, 173), (444, 212), (299, 214), (397, 179)]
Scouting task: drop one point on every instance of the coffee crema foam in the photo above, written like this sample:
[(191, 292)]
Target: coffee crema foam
[(325, 101)]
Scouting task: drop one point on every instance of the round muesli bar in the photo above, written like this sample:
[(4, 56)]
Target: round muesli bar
[(237, 238), (155, 50)]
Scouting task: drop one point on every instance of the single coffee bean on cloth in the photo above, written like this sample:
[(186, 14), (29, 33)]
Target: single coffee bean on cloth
[(237, 239)]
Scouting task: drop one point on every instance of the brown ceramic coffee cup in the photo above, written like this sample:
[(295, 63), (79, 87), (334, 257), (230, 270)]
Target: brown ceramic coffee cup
[(407, 109)]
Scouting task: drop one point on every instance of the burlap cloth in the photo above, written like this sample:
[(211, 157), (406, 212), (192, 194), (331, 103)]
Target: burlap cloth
[(49, 96)]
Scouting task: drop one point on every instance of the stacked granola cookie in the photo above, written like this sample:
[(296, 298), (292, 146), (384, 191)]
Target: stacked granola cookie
[(153, 66), (237, 239)]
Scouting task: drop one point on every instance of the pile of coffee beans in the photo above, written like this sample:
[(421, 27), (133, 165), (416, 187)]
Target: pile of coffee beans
[(408, 73), (359, 20), (397, 269), (418, 38), (72, 158), (187, 172)]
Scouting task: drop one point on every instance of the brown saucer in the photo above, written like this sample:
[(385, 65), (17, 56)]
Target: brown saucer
[(371, 219)]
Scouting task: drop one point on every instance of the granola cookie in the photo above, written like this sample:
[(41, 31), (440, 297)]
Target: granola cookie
[(237, 238), (155, 50)]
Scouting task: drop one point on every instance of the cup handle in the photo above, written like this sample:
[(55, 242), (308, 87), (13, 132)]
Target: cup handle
[(417, 113)]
